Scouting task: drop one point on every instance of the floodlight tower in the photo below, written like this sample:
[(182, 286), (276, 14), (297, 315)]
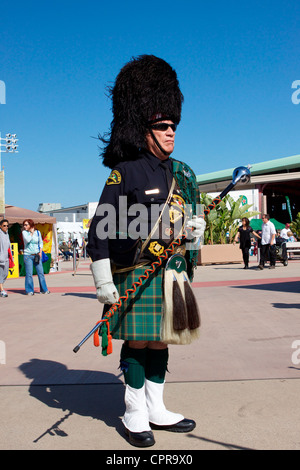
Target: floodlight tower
[(9, 145)]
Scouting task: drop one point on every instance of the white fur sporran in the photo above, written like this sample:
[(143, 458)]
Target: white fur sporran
[(180, 317)]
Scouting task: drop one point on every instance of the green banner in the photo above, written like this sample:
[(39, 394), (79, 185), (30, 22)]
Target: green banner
[(289, 207)]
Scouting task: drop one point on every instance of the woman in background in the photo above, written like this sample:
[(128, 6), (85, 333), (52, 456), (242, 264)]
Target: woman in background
[(244, 236), (33, 247)]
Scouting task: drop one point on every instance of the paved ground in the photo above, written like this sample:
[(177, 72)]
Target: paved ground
[(240, 381)]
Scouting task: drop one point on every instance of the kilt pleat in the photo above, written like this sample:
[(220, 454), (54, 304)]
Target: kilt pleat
[(139, 318)]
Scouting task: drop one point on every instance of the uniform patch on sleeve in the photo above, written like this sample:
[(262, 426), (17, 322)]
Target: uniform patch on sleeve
[(114, 178)]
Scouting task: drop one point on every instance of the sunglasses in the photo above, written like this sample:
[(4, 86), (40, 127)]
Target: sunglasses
[(4, 225), (163, 126)]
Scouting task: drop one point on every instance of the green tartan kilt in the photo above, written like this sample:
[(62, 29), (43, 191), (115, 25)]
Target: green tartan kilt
[(139, 317)]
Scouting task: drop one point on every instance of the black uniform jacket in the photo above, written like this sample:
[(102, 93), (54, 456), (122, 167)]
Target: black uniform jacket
[(142, 181)]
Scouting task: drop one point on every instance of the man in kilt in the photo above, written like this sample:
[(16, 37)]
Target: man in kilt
[(147, 102)]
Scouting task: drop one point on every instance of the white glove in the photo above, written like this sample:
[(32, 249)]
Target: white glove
[(106, 290), (198, 224)]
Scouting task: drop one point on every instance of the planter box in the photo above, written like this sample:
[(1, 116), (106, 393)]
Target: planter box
[(217, 254)]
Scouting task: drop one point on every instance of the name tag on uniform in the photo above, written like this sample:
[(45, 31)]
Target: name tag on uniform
[(152, 191)]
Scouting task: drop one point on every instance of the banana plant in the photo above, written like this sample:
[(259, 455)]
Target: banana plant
[(222, 223), (295, 226)]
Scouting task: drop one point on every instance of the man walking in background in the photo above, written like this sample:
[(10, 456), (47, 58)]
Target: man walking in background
[(268, 246)]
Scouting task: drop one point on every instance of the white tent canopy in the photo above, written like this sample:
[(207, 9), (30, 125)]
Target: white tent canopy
[(73, 230)]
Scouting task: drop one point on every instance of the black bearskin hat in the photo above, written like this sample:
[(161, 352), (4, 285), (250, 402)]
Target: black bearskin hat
[(146, 89)]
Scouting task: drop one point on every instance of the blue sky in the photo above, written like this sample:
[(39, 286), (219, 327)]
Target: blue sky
[(236, 62)]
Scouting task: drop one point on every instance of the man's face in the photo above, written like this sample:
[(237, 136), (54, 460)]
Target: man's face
[(4, 227), (165, 138), (264, 219)]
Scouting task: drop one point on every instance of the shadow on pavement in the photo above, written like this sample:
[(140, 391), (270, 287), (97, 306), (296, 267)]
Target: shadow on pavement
[(80, 294), (282, 305), (224, 444), (102, 400), (291, 287)]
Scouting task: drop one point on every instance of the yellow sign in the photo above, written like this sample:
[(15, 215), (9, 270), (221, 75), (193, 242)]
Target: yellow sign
[(46, 232), (14, 272), (85, 224)]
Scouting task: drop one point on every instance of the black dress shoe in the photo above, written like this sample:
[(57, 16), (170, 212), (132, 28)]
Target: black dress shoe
[(185, 425), (140, 439)]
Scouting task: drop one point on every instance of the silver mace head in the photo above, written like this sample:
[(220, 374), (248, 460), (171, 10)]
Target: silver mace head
[(241, 174)]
